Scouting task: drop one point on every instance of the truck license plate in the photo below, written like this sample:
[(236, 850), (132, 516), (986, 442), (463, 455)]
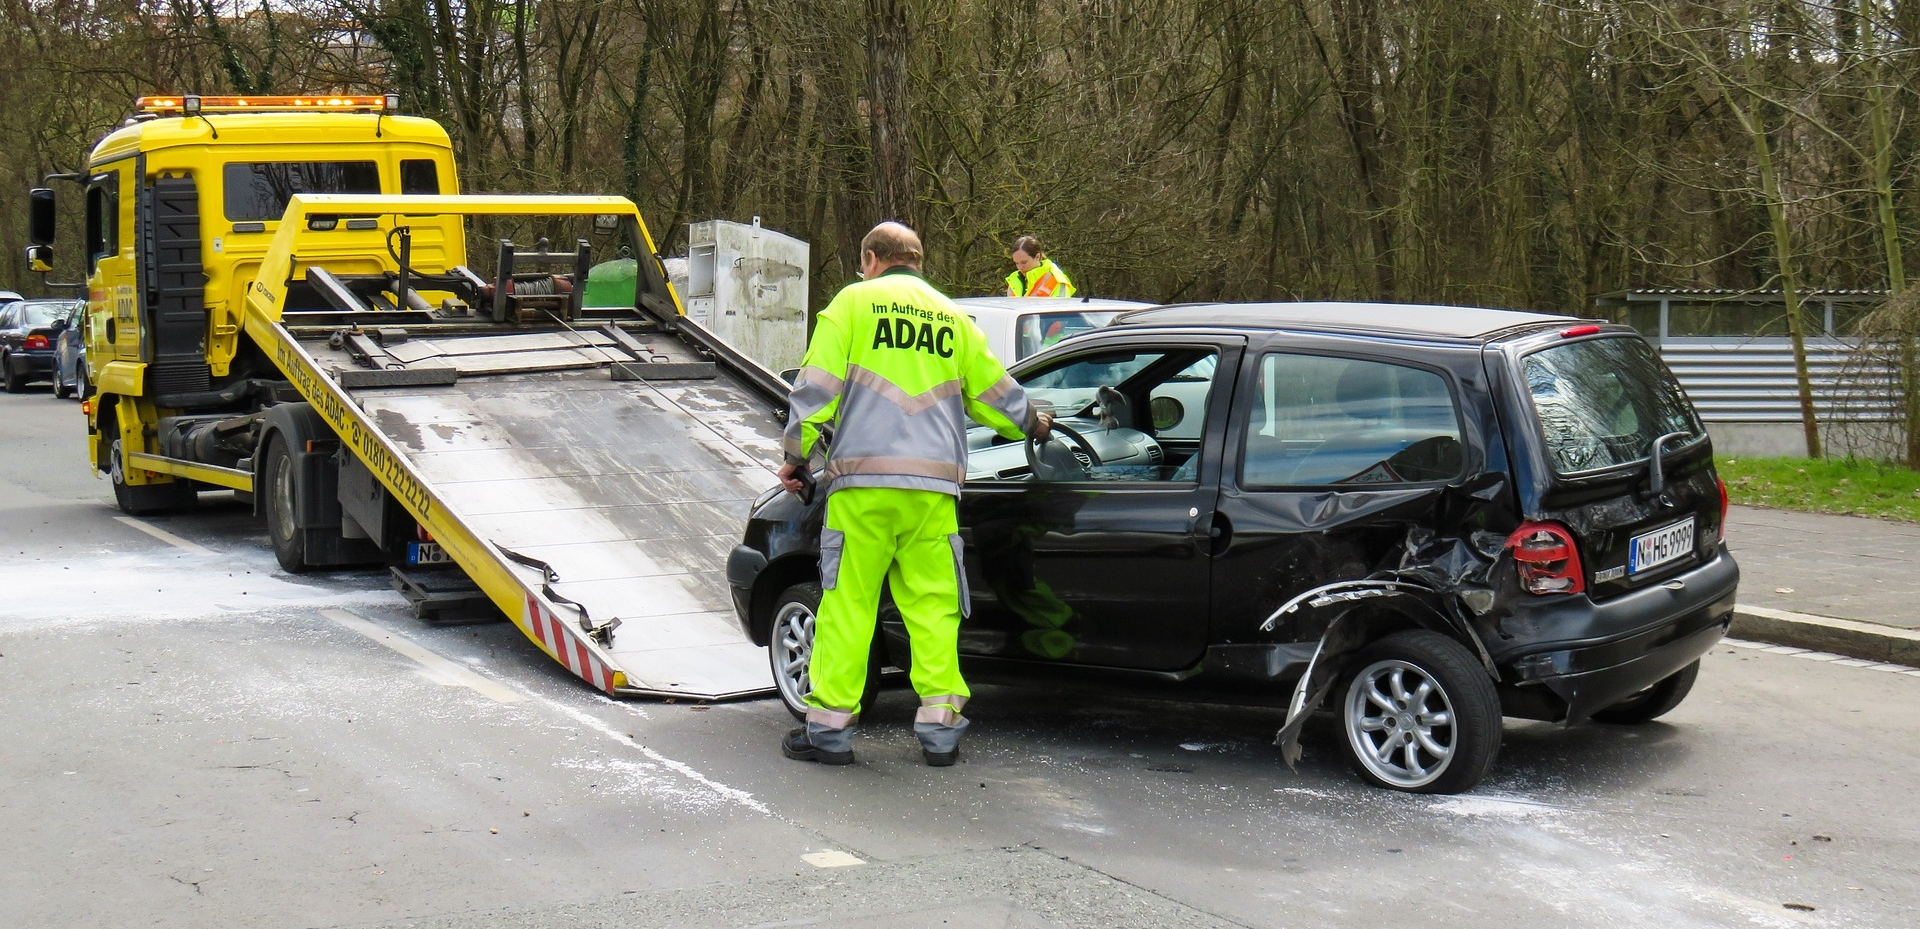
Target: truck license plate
[(426, 553), (1660, 546)]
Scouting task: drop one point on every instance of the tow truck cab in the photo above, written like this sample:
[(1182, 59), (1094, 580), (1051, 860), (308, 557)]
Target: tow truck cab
[(182, 202)]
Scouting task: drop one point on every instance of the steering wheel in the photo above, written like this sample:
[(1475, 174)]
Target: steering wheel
[(1056, 462)]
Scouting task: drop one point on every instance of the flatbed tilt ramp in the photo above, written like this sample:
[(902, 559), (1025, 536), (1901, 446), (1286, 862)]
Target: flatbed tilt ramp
[(589, 476)]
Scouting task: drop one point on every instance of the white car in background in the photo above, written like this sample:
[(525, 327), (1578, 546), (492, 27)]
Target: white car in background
[(1020, 326)]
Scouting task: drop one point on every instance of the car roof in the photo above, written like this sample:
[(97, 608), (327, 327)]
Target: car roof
[(1409, 319), (1056, 304), (8, 296)]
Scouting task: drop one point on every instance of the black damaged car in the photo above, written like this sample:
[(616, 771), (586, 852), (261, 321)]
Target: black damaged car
[(1421, 518)]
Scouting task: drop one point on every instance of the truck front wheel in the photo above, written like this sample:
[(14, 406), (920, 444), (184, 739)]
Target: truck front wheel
[(282, 484), (142, 499)]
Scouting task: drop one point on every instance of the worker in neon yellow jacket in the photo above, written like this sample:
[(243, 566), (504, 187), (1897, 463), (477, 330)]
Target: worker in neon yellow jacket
[(1034, 274), (898, 370)]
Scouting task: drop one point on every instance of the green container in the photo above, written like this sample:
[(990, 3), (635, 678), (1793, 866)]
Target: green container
[(612, 283)]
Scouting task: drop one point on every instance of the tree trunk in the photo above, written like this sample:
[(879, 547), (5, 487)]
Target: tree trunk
[(887, 127), (1789, 279)]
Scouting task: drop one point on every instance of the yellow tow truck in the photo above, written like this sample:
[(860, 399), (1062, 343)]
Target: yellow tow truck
[(284, 301)]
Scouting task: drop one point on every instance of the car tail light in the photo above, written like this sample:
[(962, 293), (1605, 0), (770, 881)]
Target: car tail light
[(36, 341), (1546, 558), (1723, 508), (420, 532)]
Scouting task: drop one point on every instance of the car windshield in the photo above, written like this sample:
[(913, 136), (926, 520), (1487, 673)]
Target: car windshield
[(1036, 331), (41, 314), (1602, 402)]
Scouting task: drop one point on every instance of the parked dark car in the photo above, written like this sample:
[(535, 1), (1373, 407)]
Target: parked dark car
[(70, 356), (27, 335), (1422, 518)]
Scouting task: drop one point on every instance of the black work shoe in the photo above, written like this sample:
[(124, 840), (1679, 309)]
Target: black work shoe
[(798, 748), (941, 759)]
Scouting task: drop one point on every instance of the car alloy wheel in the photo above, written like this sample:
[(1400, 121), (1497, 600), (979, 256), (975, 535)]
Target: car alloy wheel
[(1402, 723), (790, 650), (1420, 714), (791, 645)]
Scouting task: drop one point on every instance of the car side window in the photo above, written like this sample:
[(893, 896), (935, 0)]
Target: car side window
[(1126, 415), (1317, 420)]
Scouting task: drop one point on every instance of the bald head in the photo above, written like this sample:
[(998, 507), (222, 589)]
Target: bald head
[(891, 244)]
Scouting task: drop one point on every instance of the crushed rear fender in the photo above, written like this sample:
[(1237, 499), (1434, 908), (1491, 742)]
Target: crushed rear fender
[(1441, 583)]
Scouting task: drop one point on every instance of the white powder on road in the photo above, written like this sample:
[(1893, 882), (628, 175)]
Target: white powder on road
[(163, 584)]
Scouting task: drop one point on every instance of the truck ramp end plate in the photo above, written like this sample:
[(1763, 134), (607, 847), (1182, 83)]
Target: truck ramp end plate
[(632, 492)]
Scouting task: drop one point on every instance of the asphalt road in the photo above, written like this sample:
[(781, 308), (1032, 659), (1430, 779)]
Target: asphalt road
[(191, 738)]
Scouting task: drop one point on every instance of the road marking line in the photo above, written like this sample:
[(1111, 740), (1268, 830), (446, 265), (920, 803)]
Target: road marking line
[(628, 739), (1811, 655), (831, 859), (167, 537), (439, 668)]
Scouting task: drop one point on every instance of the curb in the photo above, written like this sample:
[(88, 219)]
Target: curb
[(1866, 641)]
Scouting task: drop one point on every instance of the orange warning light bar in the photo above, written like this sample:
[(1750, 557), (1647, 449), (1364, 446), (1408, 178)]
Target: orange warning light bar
[(195, 104)]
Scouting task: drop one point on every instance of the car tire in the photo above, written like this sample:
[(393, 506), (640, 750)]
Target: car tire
[(144, 499), (15, 384), (280, 482), (61, 390), (790, 648), (82, 385), (1418, 713), (1654, 702)]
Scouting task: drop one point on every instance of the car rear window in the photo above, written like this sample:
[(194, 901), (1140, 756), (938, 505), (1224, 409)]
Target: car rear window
[(1602, 402), (41, 314), (1039, 330)]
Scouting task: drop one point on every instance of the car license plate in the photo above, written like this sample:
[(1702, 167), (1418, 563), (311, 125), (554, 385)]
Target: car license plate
[(1660, 546), (426, 553)]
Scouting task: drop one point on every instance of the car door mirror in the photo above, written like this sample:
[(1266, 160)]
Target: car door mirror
[(58, 326)]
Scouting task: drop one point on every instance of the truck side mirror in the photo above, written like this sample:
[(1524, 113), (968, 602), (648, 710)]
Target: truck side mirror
[(40, 258), (40, 216)]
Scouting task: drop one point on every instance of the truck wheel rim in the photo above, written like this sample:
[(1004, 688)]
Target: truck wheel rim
[(793, 645), (114, 468), (283, 497), (1400, 723)]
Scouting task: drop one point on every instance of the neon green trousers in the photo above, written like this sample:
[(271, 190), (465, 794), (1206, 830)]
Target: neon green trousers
[(910, 540)]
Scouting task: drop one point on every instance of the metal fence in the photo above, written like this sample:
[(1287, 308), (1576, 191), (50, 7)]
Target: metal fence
[(1752, 380)]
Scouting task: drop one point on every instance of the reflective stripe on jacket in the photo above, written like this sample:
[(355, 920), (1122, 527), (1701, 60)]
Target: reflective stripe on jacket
[(1045, 280), (898, 370)]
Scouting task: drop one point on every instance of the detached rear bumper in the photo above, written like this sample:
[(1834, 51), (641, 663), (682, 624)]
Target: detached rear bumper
[(1672, 626)]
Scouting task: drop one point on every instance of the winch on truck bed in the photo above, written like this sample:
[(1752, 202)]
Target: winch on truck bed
[(578, 456)]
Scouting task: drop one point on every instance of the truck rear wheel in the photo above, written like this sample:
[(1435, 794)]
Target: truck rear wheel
[(281, 489), (142, 499)]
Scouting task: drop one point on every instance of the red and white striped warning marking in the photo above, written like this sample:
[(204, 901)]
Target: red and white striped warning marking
[(561, 641)]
